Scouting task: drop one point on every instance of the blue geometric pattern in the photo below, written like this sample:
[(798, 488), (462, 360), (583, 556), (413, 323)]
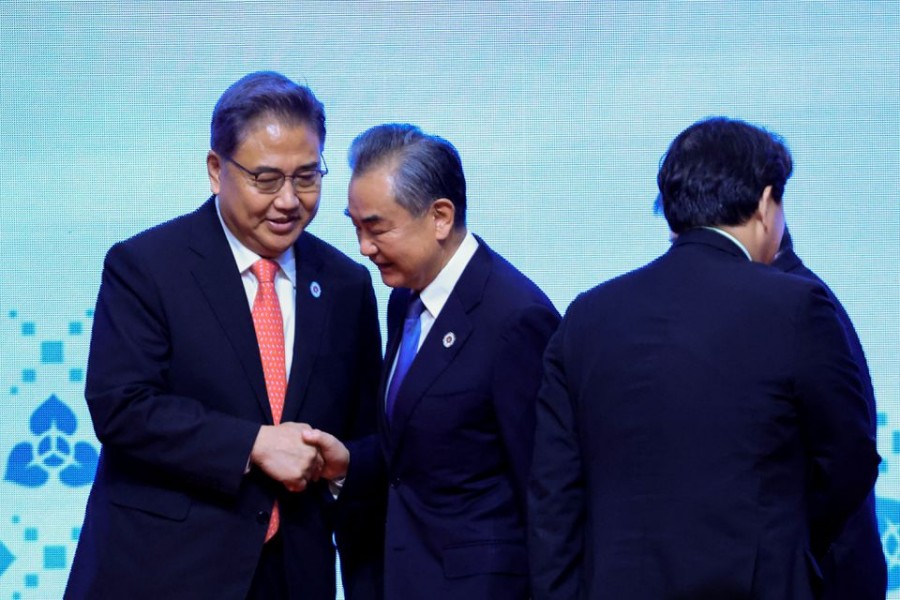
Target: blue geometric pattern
[(6, 558), (889, 525), (30, 465)]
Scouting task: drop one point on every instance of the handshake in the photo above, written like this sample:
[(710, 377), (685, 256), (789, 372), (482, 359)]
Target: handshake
[(296, 455)]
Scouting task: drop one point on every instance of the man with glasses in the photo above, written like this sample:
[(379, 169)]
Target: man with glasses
[(218, 338)]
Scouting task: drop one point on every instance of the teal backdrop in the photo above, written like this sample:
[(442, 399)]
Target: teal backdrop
[(561, 112)]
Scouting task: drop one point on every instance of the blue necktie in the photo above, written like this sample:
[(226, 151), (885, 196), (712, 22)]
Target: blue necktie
[(412, 328)]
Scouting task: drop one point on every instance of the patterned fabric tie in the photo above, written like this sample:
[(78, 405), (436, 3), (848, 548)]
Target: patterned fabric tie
[(270, 337), (409, 345)]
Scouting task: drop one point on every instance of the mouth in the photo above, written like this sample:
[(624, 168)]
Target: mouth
[(282, 225)]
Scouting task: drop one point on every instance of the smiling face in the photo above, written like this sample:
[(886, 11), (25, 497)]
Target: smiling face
[(408, 250), (267, 223)]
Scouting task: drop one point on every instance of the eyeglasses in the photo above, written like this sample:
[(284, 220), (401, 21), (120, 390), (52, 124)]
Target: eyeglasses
[(269, 181)]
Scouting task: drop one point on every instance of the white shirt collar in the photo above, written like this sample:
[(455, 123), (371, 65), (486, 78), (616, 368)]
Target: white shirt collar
[(244, 257), (732, 238), (436, 293)]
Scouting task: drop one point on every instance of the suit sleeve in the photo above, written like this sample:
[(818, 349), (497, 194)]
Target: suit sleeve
[(843, 456), (556, 495), (515, 381), (134, 414)]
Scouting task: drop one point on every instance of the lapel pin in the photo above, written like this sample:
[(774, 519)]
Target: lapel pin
[(315, 289), (449, 339)]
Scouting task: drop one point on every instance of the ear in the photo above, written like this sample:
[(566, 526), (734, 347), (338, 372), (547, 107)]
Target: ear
[(767, 206), (771, 225), (443, 213), (214, 170)]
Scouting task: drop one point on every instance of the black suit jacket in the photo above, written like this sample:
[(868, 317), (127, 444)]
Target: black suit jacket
[(458, 447), (854, 566), (691, 411), (176, 392)]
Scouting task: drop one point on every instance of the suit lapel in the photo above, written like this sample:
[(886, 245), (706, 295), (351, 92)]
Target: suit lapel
[(311, 313), (440, 348), (220, 282), (397, 306)]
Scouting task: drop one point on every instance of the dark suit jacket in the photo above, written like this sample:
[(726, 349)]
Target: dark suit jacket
[(176, 392), (458, 447), (854, 566), (690, 412)]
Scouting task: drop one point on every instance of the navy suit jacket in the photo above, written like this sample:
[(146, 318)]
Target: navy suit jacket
[(854, 566), (458, 447), (176, 392), (691, 413)]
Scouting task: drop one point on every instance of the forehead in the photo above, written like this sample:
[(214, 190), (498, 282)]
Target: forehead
[(372, 194), (271, 132)]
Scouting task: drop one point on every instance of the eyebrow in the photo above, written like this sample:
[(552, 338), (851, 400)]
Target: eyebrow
[(306, 167), (367, 220)]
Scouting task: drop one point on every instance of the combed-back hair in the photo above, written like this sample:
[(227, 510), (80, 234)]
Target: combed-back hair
[(424, 167), (261, 94)]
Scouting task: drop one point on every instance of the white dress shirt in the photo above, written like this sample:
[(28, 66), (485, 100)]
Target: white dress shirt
[(436, 293), (285, 284)]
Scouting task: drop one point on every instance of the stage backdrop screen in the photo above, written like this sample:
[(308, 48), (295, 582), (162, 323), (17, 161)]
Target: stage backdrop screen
[(560, 110)]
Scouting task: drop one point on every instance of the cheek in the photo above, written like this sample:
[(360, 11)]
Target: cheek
[(254, 209), (311, 205)]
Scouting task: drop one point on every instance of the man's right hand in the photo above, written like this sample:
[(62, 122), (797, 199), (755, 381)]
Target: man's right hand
[(281, 453), (334, 453)]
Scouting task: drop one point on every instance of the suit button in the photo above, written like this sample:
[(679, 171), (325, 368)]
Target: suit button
[(262, 517), (395, 482)]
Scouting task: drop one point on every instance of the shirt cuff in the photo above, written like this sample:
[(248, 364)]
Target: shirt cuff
[(335, 486)]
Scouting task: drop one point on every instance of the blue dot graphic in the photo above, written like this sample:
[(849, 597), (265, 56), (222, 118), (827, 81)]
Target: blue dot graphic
[(51, 352)]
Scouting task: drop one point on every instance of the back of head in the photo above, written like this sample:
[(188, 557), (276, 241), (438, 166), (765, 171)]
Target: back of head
[(424, 167), (715, 171), (259, 94)]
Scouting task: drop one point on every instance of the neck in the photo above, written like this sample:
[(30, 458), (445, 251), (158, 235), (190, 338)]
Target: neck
[(448, 248), (744, 235)]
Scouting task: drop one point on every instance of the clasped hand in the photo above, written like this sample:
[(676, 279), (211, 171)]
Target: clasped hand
[(283, 455)]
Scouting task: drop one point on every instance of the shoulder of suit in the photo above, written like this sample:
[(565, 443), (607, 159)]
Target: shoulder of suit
[(167, 234), (621, 281), (511, 283)]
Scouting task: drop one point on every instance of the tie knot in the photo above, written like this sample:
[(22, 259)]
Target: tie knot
[(265, 270), (415, 308)]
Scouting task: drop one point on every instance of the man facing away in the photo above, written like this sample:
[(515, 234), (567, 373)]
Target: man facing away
[(854, 566), (701, 428), (466, 333), (218, 337)]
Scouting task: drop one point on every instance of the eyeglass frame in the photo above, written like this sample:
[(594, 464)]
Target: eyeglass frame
[(322, 170)]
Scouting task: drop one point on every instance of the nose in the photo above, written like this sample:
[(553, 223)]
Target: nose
[(286, 199), (366, 247)]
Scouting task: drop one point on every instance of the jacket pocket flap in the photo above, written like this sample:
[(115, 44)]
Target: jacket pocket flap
[(170, 504)]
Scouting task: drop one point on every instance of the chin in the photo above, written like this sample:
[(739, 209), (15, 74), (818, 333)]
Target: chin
[(392, 280), (271, 251)]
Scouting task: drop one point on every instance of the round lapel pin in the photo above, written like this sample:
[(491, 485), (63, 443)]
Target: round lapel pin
[(315, 289), (449, 339)]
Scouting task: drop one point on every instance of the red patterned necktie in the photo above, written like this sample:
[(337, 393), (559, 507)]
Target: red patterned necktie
[(270, 336)]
